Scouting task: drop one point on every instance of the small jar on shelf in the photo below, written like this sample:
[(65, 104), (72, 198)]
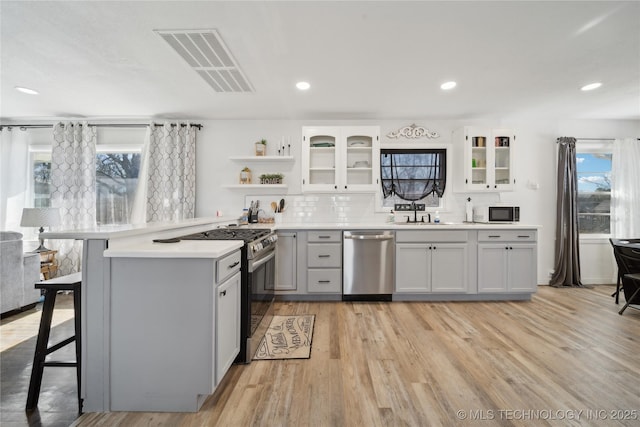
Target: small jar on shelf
[(245, 176), (261, 148)]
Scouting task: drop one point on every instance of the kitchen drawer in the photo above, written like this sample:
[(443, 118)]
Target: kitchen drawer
[(324, 280), (227, 266), (324, 236), (507, 235), (431, 236), (324, 255)]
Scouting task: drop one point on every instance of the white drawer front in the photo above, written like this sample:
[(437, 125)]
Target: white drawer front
[(227, 266), (324, 280), (423, 236), (324, 236), (324, 255), (507, 235)]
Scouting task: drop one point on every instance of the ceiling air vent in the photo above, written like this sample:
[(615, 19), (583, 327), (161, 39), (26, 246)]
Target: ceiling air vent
[(207, 54)]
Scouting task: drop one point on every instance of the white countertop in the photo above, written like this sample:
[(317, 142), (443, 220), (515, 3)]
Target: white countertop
[(181, 249), (401, 226), (129, 230), (132, 230)]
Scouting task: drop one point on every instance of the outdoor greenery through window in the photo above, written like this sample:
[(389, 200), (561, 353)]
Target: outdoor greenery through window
[(594, 192), (414, 175), (116, 182)]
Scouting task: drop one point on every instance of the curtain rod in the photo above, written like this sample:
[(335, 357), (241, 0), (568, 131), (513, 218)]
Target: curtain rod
[(106, 125)]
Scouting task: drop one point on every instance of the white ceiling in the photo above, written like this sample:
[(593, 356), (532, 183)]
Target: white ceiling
[(364, 60)]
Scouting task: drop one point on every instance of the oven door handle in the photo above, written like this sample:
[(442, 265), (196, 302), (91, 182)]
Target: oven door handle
[(261, 261)]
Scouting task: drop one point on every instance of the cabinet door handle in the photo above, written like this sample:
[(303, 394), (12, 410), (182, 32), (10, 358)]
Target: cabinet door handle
[(335, 187), (324, 281), (524, 237), (506, 248), (324, 237), (494, 236), (223, 293), (324, 256), (233, 265)]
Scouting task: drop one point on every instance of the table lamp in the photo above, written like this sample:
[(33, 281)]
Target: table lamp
[(40, 217)]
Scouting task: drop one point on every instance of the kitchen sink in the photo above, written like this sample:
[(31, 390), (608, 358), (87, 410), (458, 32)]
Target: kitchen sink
[(426, 224)]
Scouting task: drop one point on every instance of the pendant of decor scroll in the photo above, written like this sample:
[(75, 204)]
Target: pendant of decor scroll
[(413, 132)]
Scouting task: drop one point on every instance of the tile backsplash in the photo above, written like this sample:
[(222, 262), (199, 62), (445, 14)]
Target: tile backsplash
[(308, 208)]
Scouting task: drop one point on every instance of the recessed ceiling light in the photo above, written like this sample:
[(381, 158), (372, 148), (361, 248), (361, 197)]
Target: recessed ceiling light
[(448, 85), (27, 90), (591, 86), (303, 85)]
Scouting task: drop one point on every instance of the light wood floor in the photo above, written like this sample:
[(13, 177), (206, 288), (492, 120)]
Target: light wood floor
[(419, 364)]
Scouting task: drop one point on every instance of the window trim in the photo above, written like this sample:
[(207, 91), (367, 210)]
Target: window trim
[(47, 148), (594, 147)]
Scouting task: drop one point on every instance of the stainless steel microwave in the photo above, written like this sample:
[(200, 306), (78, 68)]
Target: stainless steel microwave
[(504, 213)]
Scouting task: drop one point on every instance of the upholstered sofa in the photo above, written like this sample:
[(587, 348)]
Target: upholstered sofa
[(19, 271)]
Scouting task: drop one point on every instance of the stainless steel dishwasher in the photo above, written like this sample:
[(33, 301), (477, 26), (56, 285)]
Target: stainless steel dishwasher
[(368, 266)]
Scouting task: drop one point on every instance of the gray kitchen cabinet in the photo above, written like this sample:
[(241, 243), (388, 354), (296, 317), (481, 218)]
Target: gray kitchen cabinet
[(324, 262), (340, 159), (507, 261), (286, 261), (432, 261), (227, 325), (431, 267), (178, 336)]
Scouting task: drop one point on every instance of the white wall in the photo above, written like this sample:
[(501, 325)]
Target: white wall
[(535, 173)]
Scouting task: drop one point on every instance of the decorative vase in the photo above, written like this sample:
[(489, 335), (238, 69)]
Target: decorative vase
[(245, 176), (261, 149)]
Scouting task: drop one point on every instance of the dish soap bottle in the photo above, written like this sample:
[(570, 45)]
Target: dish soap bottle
[(436, 218), (392, 217)]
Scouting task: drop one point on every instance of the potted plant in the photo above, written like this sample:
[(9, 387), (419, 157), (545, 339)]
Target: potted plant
[(261, 147)]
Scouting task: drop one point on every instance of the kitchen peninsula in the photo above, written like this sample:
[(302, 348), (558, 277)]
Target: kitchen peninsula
[(97, 312), (483, 261)]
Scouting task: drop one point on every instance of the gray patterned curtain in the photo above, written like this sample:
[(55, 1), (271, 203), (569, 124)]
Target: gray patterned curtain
[(73, 187), (567, 262), (167, 181)]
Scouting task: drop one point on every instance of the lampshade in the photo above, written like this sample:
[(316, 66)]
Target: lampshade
[(40, 217)]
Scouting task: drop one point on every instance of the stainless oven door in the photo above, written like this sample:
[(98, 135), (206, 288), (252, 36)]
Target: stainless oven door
[(261, 278)]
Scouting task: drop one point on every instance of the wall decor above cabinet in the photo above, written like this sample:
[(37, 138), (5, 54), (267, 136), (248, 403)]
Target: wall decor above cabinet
[(342, 159), (413, 132)]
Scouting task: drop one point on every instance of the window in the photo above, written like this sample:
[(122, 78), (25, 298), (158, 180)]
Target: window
[(413, 175), (116, 181), (594, 192)]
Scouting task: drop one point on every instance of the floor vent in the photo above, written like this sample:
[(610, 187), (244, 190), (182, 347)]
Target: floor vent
[(207, 54)]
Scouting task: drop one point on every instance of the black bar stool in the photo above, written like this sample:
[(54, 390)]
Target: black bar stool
[(51, 287)]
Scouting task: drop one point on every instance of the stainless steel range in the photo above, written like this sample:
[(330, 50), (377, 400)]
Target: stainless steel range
[(258, 276)]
